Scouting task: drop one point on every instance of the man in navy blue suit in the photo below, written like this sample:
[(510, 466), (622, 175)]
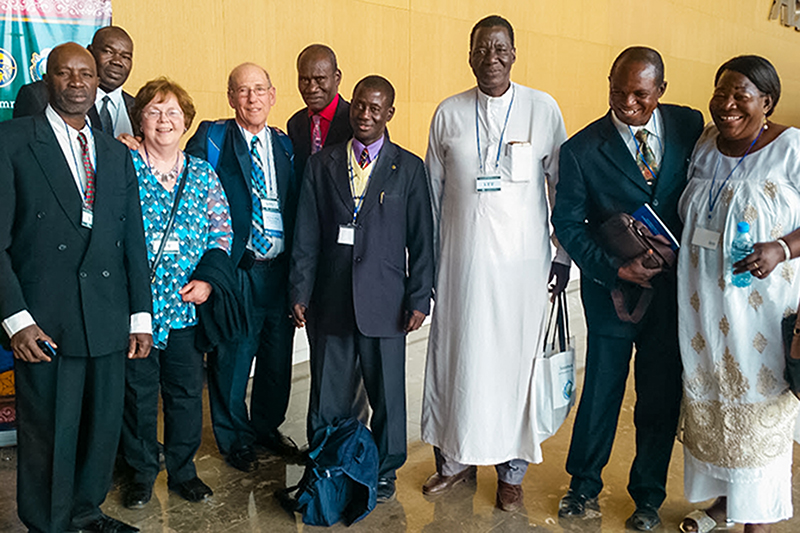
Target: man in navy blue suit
[(637, 153), (254, 164), (362, 273)]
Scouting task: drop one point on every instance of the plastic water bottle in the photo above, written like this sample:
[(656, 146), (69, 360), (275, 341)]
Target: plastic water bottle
[(742, 247)]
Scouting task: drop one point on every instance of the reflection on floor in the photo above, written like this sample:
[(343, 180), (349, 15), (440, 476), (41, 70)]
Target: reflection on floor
[(244, 502)]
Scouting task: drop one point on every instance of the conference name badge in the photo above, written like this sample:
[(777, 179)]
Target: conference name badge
[(488, 183), (705, 238), (347, 235), (87, 217), (172, 247)]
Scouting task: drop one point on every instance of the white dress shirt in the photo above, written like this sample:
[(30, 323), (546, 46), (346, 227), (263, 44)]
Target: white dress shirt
[(117, 110), (654, 126)]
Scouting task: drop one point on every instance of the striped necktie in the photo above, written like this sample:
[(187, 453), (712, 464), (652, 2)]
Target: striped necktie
[(363, 160), (646, 159), (88, 191), (316, 134), (259, 188)]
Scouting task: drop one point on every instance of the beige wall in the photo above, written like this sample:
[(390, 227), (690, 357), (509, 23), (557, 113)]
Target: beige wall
[(564, 47)]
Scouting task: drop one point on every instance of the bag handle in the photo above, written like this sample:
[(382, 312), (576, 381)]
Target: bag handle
[(638, 312), (561, 332), (170, 223)]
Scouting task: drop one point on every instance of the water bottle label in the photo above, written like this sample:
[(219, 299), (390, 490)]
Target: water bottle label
[(706, 238)]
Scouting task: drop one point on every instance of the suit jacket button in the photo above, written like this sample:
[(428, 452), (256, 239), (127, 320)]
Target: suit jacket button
[(40, 214), (106, 273), (358, 259), (122, 218), (62, 247), (655, 202), (119, 244), (83, 274)]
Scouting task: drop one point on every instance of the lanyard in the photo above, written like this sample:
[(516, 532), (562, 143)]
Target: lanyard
[(639, 151), (357, 201), (502, 133), (712, 197)]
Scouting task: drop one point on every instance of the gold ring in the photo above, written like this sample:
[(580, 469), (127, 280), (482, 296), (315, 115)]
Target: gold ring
[(758, 271), (755, 265)]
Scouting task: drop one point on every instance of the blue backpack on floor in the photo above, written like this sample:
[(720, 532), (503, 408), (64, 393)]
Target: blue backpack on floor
[(340, 482)]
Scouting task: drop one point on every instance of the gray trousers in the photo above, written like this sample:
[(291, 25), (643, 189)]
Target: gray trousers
[(511, 472)]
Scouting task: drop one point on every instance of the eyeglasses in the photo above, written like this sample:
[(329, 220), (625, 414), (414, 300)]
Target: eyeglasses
[(155, 114), (244, 92)]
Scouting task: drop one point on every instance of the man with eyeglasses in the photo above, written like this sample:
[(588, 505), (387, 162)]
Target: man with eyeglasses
[(112, 49), (254, 164), (491, 157)]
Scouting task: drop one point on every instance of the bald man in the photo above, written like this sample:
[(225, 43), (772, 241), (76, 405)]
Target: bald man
[(325, 119), (254, 164), (112, 49)]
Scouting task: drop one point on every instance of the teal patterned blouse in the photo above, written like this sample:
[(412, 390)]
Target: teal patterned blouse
[(202, 222)]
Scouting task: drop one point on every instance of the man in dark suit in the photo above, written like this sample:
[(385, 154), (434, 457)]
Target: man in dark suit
[(636, 154), (326, 119), (112, 49), (254, 164), (73, 274), (362, 272)]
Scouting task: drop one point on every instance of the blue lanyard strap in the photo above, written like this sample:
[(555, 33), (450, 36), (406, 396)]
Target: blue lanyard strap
[(639, 149), (713, 198), (502, 133), (357, 201)]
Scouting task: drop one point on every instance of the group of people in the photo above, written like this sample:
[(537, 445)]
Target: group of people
[(121, 265)]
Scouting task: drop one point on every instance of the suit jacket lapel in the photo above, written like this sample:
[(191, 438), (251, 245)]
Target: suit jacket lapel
[(337, 167), (669, 163), (241, 151), (283, 168), (614, 148), (340, 122), (94, 119), (384, 167), (56, 171)]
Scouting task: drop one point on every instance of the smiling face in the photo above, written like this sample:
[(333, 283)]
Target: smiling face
[(737, 107), (71, 82), (112, 49), (163, 121), (317, 79), (634, 91), (369, 113), (491, 56), (251, 95)]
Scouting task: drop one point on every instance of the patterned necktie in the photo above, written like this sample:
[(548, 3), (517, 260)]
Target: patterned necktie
[(105, 117), (316, 134), (646, 159), (260, 242), (363, 160), (88, 192)]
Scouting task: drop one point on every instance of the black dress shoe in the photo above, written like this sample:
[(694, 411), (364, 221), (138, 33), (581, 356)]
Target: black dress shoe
[(643, 519), (106, 524), (137, 494), (574, 505), (193, 490), (277, 443), (386, 490), (243, 459)]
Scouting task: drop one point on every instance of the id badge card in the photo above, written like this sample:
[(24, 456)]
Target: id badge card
[(488, 183), (271, 215), (347, 235), (705, 238), (172, 247), (87, 217)]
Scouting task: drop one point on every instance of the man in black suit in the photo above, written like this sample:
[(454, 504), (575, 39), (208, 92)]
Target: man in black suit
[(326, 119), (636, 154), (112, 49), (73, 274), (254, 164), (362, 273)]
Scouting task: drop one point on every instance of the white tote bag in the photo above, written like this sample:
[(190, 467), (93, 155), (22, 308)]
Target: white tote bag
[(554, 372)]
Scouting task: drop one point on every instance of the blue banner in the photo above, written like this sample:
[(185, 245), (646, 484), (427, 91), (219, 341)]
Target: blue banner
[(30, 29)]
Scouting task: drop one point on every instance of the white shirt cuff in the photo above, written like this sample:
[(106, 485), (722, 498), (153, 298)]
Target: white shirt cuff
[(142, 323), (17, 321)]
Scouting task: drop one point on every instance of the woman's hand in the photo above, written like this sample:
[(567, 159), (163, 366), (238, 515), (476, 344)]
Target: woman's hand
[(196, 292), (765, 257)]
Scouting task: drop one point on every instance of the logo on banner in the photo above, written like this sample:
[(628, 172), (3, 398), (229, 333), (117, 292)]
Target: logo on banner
[(8, 68), (39, 64)]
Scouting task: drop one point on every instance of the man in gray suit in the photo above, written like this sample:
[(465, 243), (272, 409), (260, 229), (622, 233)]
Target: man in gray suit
[(362, 273)]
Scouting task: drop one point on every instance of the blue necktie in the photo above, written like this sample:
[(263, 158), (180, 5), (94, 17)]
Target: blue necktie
[(260, 242)]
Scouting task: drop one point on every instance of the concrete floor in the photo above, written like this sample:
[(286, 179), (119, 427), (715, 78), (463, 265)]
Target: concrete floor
[(244, 502)]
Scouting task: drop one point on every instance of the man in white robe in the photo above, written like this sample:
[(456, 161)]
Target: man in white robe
[(492, 158)]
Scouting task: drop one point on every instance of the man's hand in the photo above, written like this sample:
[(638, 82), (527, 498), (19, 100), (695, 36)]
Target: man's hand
[(24, 347), (133, 143), (414, 320), (560, 272), (196, 292), (299, 315), (139, 345), (635, 272)]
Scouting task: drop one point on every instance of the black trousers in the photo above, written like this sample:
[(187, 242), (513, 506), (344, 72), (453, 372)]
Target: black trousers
[(178, 371), (338, 364), (270, 342), (69, 413), (657, 374)]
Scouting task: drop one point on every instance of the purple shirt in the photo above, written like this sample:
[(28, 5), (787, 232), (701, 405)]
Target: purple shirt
[(373, 149)]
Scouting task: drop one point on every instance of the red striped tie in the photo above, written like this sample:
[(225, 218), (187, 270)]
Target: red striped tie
[(88, 193)]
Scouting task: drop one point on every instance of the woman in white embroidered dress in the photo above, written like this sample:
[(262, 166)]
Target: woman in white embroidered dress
[(738, 411)]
